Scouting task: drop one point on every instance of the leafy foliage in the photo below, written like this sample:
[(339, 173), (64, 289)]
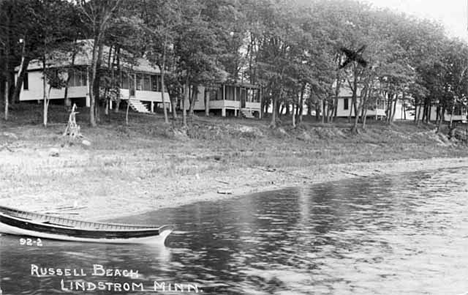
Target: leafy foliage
[(291, 48)]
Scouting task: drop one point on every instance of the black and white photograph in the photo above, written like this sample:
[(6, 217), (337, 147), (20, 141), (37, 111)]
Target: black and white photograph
[(234, 147)]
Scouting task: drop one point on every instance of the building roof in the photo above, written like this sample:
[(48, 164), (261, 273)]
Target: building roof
[(84, 57)]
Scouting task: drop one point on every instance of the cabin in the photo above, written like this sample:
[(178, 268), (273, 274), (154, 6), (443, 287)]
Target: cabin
[(230, 99), (140, 83), (377, 109), (460, 114)]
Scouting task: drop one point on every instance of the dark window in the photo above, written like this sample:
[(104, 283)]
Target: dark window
[(26, 81), (77, 78), (257, 95), (124, 82), (457, 111), (72, 78), (146, 83), (346, 104), (216, 94), (229, 92), (156, 83), (84, 78), (139, 82), (253, 95), (131, 80)]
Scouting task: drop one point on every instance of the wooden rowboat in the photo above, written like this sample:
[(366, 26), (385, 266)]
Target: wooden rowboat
[(24, 223)]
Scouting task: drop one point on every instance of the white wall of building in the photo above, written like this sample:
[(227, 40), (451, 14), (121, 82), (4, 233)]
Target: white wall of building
[(35, 91), (344, 112)]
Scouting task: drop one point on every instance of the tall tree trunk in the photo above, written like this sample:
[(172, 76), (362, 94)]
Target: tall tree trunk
[(395, 107), (451, 117), (350, 110), (280, 109), (404, 110), (119, 73), (365, 94), (356, 117), (110, 65), (326, 107), (318, 110), (273, 115), (322, 111), (6, 100), (301, 103), (441, 118), (127, 110), (418, 114), (44, 94), (388, 108), (266, 106), (287, 107), (113, 85), (163, 75), (99, 18), (163, 93), (185, 101), (98, 47), (207, 102), (23, 71), (193, 99), (67, 100), (337, 93), (364, 118), (424, 114), (262, 102), (359, 109), (275, 107), (309, 107), (7, 69), (174, 101), (354, 90), (94, 68), (97, 83), (7, 87), (293, 116)]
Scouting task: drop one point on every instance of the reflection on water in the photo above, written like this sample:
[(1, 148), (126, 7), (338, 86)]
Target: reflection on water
[(404, 234)]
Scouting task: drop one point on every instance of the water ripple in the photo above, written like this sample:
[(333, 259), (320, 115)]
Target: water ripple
[(403, 234)]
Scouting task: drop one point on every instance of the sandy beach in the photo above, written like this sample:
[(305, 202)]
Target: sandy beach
[(126, 170), (95, 185)]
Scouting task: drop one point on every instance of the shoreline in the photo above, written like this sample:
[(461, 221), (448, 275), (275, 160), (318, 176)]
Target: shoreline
[(294, 178), (51, 184)]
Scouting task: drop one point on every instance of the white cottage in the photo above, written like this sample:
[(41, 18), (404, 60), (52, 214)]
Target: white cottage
[(345, 105), (459, 114), (141, 83), (230, 98)]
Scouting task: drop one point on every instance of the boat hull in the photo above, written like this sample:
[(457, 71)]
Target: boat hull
[(16, 222)]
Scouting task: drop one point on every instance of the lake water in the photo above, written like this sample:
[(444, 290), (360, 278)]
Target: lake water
[(405, 234)]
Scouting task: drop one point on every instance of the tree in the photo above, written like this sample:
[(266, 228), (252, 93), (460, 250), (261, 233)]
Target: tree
[(97, 16), (161, 19), (196, 49), (280, 54), (53, 52)]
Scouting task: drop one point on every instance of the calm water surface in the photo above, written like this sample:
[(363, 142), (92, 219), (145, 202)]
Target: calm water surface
[(405, 234)]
